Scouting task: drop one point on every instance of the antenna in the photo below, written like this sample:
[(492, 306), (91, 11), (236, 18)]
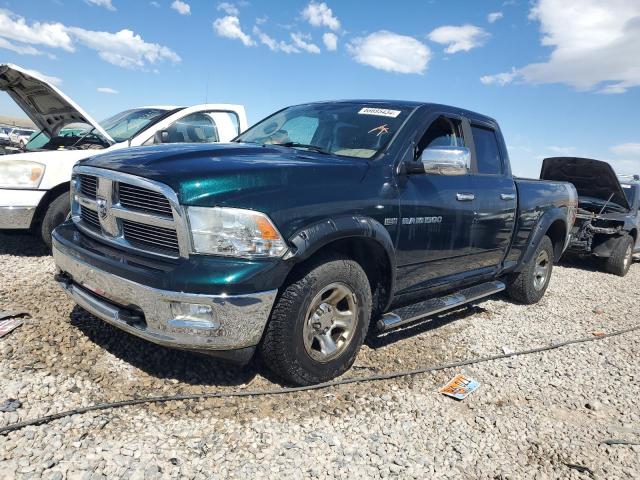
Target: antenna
[(206, 90)]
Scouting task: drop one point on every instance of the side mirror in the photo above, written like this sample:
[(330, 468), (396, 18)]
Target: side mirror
[(443, 161), (161, 136)]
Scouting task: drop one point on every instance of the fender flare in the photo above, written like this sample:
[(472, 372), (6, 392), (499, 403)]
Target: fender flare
[(539, 231), (313, 237)]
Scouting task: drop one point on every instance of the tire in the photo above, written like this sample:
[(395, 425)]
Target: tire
[(529, 285), (56, 213), (621, 257), (284, 349)]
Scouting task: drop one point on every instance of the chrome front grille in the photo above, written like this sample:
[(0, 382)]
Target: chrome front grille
[(143, 200), (90, 217), (150, 236), (129, 211), (89, 185)]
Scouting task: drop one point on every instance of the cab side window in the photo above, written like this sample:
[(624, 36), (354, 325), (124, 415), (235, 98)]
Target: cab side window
[(487, 151), (194, 128), (443, 132)]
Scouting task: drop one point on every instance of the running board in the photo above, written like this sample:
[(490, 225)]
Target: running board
[(416, 311)]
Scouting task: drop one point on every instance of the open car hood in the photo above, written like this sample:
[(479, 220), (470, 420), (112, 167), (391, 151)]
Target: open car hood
[(44, 104), (592, 178)]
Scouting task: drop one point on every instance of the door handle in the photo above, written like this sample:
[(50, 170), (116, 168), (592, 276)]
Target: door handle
[(508, 196), (465, 197)]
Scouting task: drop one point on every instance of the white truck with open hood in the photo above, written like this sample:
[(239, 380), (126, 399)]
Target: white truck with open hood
[(34, 185)]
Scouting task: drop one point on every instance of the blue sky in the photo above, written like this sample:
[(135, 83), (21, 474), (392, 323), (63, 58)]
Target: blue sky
[(561, 76)]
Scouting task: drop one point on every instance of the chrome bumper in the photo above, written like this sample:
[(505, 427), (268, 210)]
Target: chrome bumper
[(16, 217), (240, 320)]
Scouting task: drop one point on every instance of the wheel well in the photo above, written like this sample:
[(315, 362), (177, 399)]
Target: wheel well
[(557, 232), (634, 234), (373, 259), (49, 197)]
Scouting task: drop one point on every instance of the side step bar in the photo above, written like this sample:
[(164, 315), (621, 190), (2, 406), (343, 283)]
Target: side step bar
[(416, 311)]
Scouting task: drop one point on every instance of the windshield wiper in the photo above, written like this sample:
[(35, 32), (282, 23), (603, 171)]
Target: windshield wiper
[(315, 148)]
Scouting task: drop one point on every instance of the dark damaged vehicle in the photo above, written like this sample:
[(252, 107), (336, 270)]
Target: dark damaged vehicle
[(607, 219), (321, 223)]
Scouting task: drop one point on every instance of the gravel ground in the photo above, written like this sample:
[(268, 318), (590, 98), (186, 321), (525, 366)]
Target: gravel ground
[(543, 415)]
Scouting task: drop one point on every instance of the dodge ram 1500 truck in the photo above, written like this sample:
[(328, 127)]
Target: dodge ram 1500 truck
[(320, 224), (608, 217)]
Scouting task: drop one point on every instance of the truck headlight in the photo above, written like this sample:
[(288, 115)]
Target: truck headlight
[(20, 174), (234, 232)]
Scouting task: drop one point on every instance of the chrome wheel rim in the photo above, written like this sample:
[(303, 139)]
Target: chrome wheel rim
[(627, 257), (541, 270), (330, 322)]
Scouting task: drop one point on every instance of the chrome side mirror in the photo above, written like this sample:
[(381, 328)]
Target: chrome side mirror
[(444, 161)]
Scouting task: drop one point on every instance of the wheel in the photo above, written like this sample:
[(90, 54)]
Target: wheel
[(621, 257), (56, 213), (529, 285), (23, 145), (318, 323)]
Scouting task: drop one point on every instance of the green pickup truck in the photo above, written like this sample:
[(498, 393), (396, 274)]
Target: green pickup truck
[(316, 226)]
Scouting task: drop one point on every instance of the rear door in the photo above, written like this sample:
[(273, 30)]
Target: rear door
[(436, 215), (496, 197)]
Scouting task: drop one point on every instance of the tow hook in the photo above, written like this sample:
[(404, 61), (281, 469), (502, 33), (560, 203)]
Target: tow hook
[(63, 279)]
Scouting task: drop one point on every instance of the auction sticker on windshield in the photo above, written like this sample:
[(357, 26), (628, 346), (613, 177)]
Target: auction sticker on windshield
[(380, 112)]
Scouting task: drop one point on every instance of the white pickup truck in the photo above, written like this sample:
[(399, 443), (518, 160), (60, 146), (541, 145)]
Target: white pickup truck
[(34, 185)]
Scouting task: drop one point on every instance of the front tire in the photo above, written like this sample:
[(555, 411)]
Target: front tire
[(621, 257), (318, 323), (56, 213), (529, 285)]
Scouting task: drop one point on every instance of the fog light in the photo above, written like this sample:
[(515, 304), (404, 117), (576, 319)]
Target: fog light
[(193, 315)]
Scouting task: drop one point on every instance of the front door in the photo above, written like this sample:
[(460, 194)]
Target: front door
[(436, 214)]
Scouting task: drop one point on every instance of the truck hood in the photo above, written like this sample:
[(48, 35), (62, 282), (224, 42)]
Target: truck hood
[(234, 174), (592, 178), (43, 103)]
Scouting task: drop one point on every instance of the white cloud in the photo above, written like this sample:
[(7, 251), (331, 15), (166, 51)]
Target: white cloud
[(300, 41), (102, 3), (154, 4), (320, 15), (564, 151), (229, 27), (124, 48), (595, 45), (459, 38), (500, 78), (229, 9), (273, 44), (330, 41), (107, 90), (21, 49), (15, 27), (493, 17), (391, 52), (627, 149), (625, 165), (181, 7)]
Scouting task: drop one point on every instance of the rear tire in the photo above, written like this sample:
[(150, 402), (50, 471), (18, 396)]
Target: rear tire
[(311, 338), (621, 257), (56, 213), (529, 285)]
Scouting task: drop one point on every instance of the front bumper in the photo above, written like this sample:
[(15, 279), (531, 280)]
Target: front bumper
[(17, 207), (145, 311)]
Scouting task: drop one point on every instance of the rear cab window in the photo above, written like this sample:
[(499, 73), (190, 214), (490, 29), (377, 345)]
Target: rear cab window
[(488, 157)]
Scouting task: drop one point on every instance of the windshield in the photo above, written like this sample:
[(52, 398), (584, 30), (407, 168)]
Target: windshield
[(120, 127), (346, 129), (125, 124)]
